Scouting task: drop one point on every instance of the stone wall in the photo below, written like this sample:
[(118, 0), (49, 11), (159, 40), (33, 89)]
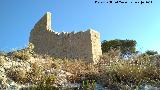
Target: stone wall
[(81, 45)]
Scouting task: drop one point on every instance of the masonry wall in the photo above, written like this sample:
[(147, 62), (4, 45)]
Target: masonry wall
[(81, 45)]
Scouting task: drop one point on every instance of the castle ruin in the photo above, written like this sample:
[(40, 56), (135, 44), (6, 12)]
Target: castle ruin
[(81, 45)]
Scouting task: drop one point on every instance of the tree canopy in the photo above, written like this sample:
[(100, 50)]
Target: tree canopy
[(125, 46), (151, 52)]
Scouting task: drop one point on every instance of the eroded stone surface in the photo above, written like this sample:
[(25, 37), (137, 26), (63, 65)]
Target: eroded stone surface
[(81, 45)]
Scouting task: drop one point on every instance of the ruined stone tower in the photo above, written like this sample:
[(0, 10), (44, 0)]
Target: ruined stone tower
[(81, 45)]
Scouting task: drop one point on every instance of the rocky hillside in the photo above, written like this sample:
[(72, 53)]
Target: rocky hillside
[(23, 69)]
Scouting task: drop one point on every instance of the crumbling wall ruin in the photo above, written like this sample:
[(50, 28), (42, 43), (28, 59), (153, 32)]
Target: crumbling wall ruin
[(81, 45)]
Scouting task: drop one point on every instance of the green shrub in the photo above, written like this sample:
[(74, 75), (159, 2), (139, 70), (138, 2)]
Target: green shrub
[(88, 85), (47, 83)]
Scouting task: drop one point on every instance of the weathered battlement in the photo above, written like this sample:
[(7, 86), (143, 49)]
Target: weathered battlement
[(80, 45), (44, 23)]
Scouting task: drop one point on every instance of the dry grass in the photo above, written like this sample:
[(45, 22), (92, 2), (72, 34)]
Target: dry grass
[(132, 72), (2, 60), (17, 74), (80, 70), (111, 71)]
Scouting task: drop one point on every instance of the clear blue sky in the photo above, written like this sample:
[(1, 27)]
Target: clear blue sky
[(113, 21)]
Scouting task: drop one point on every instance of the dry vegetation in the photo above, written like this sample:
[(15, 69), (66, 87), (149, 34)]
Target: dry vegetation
[(111, 71)]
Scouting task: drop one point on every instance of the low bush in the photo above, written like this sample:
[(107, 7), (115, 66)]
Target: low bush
[(133, 73), (23, 54), (112, 71), (47, 83), (17, 74), (80, 70)]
